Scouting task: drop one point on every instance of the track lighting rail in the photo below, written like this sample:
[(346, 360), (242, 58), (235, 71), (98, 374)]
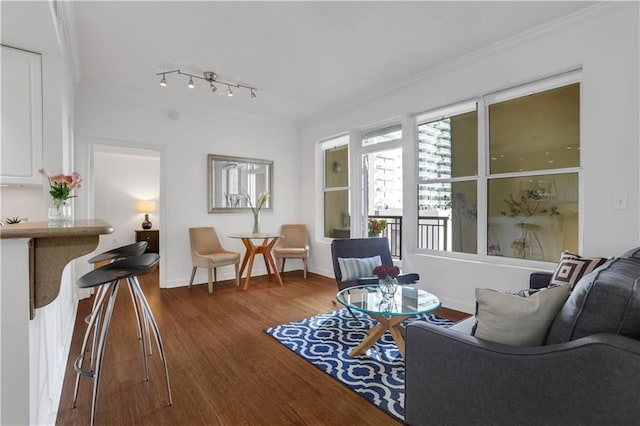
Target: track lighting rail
[(212, 78)]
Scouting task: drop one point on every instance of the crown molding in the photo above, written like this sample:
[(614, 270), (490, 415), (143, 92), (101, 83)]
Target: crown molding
[(64, 18), (581, 17)]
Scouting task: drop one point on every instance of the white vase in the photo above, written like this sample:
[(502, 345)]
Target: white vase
[(59, 211)]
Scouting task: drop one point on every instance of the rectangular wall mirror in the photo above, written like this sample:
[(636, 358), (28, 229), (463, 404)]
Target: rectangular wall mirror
[(232, 179)]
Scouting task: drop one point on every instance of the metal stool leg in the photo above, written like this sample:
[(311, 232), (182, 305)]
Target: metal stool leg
[(101, 345), (141, 332), (94, 318), (156, 332)]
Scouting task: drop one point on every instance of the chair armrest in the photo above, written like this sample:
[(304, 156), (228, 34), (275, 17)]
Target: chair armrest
[(540, 279), (454, 378), (402, 279)]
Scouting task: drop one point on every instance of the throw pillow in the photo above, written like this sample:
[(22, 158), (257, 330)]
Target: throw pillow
[(572, 267), (605, 301), (352, 268), (517, 320)]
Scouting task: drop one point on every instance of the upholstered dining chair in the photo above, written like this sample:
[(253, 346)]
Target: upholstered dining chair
[(294, 244), (207, 252)]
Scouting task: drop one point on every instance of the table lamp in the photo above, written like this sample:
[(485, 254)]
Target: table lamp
[(146, 207)]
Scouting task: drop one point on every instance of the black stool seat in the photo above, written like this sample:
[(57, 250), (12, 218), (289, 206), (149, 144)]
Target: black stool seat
[(129, 267), (120, 252)]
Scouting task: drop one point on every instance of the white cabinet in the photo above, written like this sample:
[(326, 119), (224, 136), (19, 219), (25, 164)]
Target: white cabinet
[(21, 146)]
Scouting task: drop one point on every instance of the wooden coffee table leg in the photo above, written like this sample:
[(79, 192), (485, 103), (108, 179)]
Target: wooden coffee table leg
[(374, 335), (393, 324)]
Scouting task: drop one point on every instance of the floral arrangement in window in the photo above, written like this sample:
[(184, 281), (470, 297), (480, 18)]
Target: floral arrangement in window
[(527, 205), (376, 226)]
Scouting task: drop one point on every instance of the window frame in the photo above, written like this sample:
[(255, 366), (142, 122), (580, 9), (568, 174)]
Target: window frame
[(449, 111), (339, 141), (484, 176)]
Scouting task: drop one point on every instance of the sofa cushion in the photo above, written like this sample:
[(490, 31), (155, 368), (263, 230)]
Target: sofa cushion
[(572, 267), (605, 301), (352, 268), (517, 319)]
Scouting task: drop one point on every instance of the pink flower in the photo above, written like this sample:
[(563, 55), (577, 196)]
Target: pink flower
[(76, 180), (61, 185)]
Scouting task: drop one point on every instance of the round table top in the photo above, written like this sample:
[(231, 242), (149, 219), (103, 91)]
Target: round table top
[(408, 300), (261, 235)]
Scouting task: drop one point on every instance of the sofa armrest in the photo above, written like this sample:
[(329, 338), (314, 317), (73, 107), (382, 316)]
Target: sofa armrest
[(540, 279), (454, 378)]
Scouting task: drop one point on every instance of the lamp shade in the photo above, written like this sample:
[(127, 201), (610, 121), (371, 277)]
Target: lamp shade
[(146, 206)]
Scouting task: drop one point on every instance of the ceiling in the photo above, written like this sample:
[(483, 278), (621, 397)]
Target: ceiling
[(306, 58)]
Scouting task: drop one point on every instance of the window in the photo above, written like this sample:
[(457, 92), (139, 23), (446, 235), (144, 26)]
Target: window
[(336, 188), (386, 134), (447, 179), (534, 150), (524, 164)]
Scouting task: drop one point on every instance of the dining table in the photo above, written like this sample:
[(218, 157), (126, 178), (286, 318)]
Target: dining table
[(263, 247)]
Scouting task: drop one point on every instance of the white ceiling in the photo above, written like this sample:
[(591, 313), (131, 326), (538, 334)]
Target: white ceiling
[(306, 58)]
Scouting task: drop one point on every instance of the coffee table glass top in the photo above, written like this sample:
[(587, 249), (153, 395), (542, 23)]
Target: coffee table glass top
[(408, 300)]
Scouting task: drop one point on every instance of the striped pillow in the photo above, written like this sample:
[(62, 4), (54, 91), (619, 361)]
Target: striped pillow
[(572, 267), (352, 268)]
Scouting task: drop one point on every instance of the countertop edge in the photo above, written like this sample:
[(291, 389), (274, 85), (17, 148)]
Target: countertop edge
[(76, 228)]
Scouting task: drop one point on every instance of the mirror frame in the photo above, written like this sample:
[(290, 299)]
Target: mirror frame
[(211, 158)]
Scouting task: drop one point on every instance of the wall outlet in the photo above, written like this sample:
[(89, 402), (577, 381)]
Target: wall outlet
[(619, 202)]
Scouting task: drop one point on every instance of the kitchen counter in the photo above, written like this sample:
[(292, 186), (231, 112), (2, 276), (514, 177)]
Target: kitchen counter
[(35, 342), (51, 247)]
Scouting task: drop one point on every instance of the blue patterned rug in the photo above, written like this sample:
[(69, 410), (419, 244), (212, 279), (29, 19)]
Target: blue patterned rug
[(326, 340)]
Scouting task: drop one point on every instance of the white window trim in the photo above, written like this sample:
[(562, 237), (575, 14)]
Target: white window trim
[(447, 111), (483, 177), (337, 141)]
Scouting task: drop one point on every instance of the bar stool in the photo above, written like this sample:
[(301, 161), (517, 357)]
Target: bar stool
[(108, 277), (113, 255)]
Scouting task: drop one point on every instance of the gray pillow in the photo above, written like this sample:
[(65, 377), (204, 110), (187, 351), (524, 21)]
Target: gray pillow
[(519, 320), (352, 268), (604, 301)]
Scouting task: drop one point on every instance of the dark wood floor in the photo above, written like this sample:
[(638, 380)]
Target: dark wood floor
[(224, 369)]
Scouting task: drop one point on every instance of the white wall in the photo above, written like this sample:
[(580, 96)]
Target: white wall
[(605, 45), (122, 178), (122, 117)]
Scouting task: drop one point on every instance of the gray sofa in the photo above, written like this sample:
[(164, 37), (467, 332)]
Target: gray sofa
[(588, 371)]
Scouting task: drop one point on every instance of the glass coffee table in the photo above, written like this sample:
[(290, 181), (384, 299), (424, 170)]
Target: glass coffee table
[(408, 301)]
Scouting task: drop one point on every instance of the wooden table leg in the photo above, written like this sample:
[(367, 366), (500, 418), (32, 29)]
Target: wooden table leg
[(393, 324), (250, 255), (268, 255)]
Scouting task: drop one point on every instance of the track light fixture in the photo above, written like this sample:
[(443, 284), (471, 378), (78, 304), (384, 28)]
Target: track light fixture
[(212, 78)]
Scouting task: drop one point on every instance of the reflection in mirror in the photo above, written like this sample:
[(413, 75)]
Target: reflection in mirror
[(235, 183)]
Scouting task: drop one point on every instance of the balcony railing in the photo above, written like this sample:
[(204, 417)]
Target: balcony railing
[(432, 233)]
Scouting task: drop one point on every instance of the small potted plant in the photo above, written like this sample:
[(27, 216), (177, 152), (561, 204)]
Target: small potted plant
[(376, 226)]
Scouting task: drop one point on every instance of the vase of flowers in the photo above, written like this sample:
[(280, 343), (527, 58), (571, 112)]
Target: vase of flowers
[(60, 188), (376, 226), (388, 281), (523, 209), (261, 201)]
